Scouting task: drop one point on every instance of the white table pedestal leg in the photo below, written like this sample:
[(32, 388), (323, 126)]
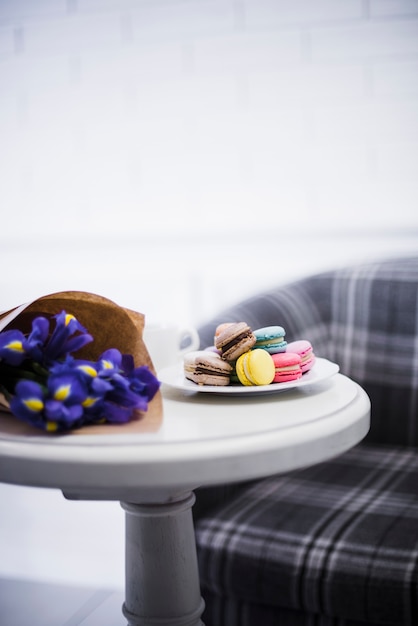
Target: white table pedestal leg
[(162, 578)]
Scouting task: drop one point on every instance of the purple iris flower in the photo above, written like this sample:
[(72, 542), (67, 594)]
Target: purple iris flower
[(37, 338), (122, 394), (110, 363), (13, 347), (141, 380), (144, 383), (64, 339), (113, 413), (66, 388), (56, 392), (59, 407), (131, 387), (69, 394), (28, 402), (61, 416)]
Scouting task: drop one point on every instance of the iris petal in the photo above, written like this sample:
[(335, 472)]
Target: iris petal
[(67, 388), (13, 347), (28, 401), (64, 339)]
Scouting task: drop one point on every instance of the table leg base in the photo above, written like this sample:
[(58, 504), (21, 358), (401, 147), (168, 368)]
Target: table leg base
[(162, 578), (185, 620)]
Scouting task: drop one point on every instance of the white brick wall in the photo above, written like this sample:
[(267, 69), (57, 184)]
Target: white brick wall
[(393, 8), (124, 121), (279, 13), (365, 42)]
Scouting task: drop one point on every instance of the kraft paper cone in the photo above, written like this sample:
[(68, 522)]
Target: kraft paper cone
[(111, 326)]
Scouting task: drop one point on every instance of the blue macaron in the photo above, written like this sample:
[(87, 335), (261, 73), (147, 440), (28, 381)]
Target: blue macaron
[(271, 338)]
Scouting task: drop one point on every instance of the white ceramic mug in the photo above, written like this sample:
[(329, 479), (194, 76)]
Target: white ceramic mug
[(164, 343)]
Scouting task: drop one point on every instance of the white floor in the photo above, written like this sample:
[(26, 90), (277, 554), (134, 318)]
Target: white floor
[(46, 538), (58, 605)]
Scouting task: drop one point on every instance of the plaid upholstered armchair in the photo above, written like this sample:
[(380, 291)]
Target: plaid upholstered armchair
[(335, 544)]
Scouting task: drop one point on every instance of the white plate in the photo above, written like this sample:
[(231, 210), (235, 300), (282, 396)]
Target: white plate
[(174, 377)]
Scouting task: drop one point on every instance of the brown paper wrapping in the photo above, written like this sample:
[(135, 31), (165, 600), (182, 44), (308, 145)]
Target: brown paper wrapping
[(111, 326)]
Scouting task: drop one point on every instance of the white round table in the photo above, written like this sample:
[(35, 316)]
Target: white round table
[(203, 439)]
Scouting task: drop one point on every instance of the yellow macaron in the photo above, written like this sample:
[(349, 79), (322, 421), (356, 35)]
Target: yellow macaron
[(255, 367)]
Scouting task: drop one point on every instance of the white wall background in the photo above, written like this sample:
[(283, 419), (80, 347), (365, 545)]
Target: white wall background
[(145, 145), (175, 155)]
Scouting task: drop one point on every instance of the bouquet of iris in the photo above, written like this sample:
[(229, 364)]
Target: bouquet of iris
[(48, 385)]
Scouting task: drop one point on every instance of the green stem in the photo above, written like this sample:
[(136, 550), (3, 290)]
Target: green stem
[(10, 376)]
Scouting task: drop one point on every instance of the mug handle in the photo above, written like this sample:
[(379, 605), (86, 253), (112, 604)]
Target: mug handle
[(192, 334)]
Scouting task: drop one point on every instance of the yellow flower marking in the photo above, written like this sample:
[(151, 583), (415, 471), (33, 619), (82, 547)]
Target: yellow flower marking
[(88, 369), (68, 318), (108, 365), (51, 426), (88, 402), (16, 346), (34, 404), (62, 392)]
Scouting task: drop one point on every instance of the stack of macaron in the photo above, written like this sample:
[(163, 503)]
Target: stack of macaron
[(207, 368), (243, 356)]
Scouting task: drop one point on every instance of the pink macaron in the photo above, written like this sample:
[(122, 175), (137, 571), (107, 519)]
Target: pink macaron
[(287, 367), (303, 348)]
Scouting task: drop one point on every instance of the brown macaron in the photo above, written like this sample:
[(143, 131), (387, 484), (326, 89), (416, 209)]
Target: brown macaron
[(206, 368), (234, 340)]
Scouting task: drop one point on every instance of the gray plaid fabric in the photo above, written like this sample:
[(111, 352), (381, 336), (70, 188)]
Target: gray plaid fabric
[(339, 540), (335, 544)]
